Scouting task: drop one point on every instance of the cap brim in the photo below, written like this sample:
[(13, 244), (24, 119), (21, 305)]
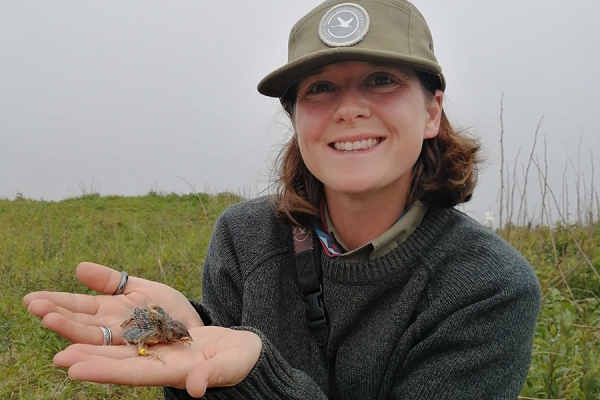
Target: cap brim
[(276, 83)]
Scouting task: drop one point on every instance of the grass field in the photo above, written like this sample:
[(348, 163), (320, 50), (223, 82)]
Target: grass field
[(164, 238)]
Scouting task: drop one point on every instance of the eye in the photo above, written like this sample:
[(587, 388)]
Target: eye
[(381, 80), (320, 87)]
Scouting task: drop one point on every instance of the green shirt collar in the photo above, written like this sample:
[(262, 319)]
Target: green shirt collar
[(388, 241)]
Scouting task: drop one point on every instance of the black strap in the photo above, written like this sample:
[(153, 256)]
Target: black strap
[(306, 261)]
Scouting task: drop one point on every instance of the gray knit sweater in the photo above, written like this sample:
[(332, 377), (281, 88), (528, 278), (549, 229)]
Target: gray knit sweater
[(449, 314)]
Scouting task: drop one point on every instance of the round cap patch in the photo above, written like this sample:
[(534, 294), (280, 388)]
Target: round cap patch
[(344, 25)]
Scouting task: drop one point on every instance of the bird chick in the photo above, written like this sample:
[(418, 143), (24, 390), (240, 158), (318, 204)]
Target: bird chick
[(148, 326)]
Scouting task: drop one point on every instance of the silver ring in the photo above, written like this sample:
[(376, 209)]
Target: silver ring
[(107, 335), (121, 287)]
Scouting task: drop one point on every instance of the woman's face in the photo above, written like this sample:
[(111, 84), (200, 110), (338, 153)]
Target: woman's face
[(361, 126)]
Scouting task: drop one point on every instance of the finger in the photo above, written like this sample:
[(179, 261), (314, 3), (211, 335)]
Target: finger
[(98, 277), (42, 307), (76, 332), (29, 297), (137, 371), (46, 302), (132, 371), (39, 306), (60, 298), (83, 352)]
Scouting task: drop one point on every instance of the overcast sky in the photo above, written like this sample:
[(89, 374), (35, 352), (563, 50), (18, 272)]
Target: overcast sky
[(124, 97)]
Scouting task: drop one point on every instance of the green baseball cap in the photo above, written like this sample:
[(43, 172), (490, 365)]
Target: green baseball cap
[(380, 31)]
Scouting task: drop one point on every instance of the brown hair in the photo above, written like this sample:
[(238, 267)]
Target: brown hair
[(444, 175)]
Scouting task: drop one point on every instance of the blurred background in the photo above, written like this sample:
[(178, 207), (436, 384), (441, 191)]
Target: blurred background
[(124, 98)]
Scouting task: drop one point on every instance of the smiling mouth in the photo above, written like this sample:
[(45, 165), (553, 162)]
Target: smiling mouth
[(359, 145)]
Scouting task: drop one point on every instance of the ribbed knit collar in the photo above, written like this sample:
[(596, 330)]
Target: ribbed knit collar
[(404, 257)]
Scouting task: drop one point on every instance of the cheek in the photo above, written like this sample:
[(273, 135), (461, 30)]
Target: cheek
[(301, 130), (308, 153), (307, 128), (302, 147), (307, 143)]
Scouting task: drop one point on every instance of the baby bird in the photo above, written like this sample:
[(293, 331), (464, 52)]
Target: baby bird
[(150, 326)]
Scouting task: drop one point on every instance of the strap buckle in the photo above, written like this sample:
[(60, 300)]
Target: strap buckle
[(315, 311)]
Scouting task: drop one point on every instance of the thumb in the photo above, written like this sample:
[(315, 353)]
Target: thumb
[(204, 375), (227, 368)]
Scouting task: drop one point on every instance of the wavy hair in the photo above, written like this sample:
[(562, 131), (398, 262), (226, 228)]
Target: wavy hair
[(444, 175)]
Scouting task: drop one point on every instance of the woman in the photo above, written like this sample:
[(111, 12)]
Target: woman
[(413, 299)]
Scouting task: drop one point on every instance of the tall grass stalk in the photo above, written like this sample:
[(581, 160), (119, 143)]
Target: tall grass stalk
[(565, 254)]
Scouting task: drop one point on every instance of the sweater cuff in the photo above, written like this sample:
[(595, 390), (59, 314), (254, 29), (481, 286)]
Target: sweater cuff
[(204, 313)]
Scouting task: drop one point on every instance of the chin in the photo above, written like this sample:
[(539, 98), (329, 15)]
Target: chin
[(352, 188), (370, 186)]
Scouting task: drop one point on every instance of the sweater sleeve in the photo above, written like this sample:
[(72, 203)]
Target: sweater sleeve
[(222, 303), (480, 351), (271, 378)]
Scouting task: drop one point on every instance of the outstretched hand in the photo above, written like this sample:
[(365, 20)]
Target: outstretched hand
[(217, 357), (76, 317)]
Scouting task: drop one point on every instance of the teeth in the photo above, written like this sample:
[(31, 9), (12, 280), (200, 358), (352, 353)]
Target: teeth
[(358, 145)]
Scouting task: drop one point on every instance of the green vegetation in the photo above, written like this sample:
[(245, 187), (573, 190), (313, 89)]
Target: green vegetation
[(566, 360), (164, 238)]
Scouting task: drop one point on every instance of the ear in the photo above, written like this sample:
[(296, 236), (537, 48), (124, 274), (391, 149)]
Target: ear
[(434, 113)]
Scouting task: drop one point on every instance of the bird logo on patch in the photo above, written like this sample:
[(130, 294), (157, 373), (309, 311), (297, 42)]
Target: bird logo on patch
[(344, 25)]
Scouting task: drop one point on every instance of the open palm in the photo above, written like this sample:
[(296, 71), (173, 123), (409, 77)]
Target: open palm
[(217, 357), (76, 317)]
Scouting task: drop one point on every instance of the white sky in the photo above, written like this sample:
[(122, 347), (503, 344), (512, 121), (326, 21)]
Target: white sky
[(128, 96)]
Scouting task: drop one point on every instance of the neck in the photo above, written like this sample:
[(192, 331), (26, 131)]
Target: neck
[(358, 220)]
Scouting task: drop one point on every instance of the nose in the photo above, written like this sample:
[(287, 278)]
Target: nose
[(351, 106)]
